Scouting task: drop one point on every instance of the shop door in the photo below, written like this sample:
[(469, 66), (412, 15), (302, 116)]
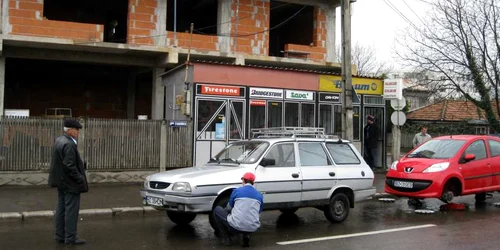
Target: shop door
[(378, 113), (218, 121)]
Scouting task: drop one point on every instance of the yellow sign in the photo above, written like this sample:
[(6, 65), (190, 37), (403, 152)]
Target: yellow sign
[(363, 86)]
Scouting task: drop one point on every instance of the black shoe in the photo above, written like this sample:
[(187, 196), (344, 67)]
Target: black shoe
[(76, 242), (60, 241), (246, 241)]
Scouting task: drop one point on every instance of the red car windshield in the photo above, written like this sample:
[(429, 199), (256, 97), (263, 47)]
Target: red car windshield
[(438, 149)]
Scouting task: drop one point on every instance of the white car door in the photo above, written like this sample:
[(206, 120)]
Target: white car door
[(282, 182), (318, 173), (349, 169)]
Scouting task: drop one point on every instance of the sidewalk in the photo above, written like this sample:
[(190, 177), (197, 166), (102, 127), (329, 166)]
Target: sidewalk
[(20, 202)]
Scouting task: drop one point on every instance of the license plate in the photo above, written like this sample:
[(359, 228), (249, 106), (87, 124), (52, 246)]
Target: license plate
[(153, 201), (403, 184)]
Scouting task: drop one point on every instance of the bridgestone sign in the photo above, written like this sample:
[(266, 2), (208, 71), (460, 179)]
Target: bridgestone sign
[(266, 93)]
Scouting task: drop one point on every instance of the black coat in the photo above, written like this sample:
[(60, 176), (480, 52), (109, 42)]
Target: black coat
[(67, 168), (371, 134)]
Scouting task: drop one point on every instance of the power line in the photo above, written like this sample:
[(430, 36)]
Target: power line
[(414, 12), (395, 9)]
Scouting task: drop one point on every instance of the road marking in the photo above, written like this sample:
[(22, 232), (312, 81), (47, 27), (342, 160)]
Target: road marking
[(353, 235)]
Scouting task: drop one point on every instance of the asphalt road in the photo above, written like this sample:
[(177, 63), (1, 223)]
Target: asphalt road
[(371, 225)]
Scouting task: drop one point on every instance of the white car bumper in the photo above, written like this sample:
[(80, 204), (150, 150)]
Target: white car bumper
[(193, 204)]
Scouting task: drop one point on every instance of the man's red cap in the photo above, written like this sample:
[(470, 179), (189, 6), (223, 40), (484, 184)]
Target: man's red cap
[(249, 176)]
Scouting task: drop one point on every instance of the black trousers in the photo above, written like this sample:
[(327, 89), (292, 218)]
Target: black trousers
[(220, 215), (369, 156), (66, 217)]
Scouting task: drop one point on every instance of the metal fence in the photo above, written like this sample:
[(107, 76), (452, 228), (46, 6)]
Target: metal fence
[(105, 144)]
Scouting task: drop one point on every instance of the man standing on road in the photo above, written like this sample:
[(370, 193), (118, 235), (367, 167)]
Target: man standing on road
[(67, 173), (371, 133), (421, 137), (241, 215)]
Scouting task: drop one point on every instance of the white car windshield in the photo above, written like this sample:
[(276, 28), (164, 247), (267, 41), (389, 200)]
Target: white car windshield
[(246, 152), (437, 149)]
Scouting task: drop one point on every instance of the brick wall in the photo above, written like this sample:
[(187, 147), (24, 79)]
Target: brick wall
[(198, 42), (142, 19), (26, 18), (253, 19), (318, 51)]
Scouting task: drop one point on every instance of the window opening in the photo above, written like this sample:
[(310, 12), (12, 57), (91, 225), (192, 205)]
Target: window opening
[(203, 14), (275, 114), (298, 30), (113, 14), (291, 114)]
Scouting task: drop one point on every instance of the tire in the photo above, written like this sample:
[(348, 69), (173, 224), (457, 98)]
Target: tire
[(481, 197), (338, 209), (180, 218), (289, 210), (449, 192), (221, 201)]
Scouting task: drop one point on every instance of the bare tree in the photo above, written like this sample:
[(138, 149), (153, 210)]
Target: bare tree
[(365, 59), (460, 44)]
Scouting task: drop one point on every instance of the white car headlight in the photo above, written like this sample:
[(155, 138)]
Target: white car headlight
[(438, 167), (181, 187), (394, 165), (146, 182)]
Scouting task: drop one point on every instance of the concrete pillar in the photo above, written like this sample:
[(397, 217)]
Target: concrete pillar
[(224, 18), (131, 89), (158, 95), (161, 23), (1, 17), (2, 85), (331, 17)]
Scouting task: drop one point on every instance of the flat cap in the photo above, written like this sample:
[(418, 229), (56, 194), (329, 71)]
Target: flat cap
[(72, 123)]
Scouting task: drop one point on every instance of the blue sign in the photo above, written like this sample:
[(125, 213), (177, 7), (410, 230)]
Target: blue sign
[(220, 130), (178, 123)]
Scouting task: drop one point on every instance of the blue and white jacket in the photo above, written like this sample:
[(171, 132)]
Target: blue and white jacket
[(245, 204)]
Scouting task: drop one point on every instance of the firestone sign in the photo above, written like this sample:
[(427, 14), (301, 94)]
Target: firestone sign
[(299, 95)]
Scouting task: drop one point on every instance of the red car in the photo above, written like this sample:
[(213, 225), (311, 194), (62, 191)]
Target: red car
[(445, 167)]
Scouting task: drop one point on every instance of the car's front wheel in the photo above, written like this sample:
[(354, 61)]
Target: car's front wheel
[(338, 209), (181, 218), (222, 202)]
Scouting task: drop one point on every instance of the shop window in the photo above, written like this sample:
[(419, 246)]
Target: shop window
[(203, 14), (369, 99), (236, 126), (112, 14), (215, 129), (356, 123), (308, 115), (275, 114), (312, 154), (378, 113), (257, 114), (337, 119), (325, 118), (298, 30), (291, 114)]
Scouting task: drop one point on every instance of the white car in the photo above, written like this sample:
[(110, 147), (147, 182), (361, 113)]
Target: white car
[(294, 168)]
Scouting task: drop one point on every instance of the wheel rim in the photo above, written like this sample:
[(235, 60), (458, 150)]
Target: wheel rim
[(338, 207)]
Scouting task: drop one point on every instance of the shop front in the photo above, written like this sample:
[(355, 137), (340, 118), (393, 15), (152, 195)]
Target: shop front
[(367, 100)]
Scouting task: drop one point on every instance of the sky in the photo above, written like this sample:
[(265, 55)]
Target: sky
[(376, 24)]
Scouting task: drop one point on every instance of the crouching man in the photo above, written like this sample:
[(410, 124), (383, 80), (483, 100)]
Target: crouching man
[(241, 215)]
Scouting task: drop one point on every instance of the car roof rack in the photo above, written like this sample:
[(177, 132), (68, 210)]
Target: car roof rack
[(292, 132)]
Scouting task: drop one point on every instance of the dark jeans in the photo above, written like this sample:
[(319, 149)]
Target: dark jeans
[(220, 215), (369, 156), (66, 217)]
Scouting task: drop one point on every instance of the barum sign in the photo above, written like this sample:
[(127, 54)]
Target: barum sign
[(299, 95), (266, 93)]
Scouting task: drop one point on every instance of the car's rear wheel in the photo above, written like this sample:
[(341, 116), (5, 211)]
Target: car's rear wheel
[(221, 201), (289, 210), (338, 209), (181, 218)]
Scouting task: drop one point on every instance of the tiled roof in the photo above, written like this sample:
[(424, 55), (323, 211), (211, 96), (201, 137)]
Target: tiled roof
[(448, 110)]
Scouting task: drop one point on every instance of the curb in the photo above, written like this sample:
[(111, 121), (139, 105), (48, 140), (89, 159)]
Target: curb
[(22, 216)]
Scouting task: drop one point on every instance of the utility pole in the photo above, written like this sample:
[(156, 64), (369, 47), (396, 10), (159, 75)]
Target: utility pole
[(347, 110)]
